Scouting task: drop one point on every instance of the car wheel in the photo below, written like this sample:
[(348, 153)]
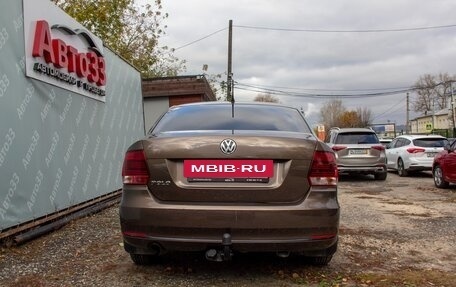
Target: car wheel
[(320, 260), (401, 171), (380, 175), (438, 177), (143, 259)]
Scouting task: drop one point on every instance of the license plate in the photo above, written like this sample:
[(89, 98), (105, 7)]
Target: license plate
[(357, 151), (431, 154), (244, 170)]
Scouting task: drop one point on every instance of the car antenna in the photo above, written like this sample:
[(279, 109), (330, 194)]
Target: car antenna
[(230, 94)]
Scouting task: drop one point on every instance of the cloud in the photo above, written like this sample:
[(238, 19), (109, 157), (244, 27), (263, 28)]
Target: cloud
[(324, 61)]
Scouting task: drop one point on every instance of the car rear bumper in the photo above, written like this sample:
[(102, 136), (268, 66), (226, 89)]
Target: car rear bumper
[(310, 227), (362, 169), (420, 164)]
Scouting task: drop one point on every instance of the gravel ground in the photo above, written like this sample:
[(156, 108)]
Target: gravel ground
[(400, 232)]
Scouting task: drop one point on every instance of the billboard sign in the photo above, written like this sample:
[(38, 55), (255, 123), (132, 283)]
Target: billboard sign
[(61, 52)]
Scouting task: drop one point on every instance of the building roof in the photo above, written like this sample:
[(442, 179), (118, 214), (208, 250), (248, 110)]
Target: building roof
[(442, 112), (177, 86)]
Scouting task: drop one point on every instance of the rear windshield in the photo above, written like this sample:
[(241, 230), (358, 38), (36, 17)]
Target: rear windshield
[(430, 142), (219, 117), (357, 138)]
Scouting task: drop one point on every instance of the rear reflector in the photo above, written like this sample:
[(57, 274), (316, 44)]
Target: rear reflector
[(134, 170), (324, 169), (134, 234), (322, 236)]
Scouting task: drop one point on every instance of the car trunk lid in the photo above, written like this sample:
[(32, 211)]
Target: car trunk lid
[(289, 154)]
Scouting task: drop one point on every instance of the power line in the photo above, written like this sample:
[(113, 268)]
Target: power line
[(347, 31), (260, 89), (318, 31), (200, 39), (327, 90), (389, 109), (283, 91)]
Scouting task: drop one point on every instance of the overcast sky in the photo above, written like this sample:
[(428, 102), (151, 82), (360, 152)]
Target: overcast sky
[(318, 48)]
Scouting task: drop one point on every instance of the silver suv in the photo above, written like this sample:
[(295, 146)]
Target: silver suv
[(358, 150)]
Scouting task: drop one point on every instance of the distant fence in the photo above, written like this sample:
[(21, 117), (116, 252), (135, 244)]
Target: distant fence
[(448, 133)]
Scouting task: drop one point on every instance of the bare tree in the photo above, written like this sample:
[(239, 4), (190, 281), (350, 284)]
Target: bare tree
[(331, 113), (443, 90), (364, 117), (425, 93), (432, 92), (266, 98), (334, 114)]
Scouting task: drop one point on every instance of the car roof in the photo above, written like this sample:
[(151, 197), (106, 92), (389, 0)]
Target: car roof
[(348, 130), (412, 137), (224, 103)]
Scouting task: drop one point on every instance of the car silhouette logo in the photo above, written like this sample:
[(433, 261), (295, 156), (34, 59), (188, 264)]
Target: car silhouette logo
[(228, 146)]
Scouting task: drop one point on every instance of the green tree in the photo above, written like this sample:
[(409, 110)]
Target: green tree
[(130, 30), (217, 86)]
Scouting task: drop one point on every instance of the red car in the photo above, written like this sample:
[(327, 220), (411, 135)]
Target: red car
[(444, 166)]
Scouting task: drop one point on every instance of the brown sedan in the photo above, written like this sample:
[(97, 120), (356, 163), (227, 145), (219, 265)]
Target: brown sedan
[(220, 178)]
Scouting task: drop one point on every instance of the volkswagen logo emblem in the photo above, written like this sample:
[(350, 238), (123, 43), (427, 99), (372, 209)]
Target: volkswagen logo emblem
[(228, 146)]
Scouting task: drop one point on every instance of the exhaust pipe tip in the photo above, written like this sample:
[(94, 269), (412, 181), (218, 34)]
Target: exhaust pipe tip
[(156, 249), (283, 254)]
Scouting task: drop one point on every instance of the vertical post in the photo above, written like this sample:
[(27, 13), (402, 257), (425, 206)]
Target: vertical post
[(407, 120), (229, 79), (433, 116), (453, 112)]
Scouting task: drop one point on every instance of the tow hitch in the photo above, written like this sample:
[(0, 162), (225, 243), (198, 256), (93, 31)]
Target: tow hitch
[(225, 254)]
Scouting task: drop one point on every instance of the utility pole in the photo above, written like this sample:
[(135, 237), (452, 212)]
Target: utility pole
[(229, 76), (407, 129), (452, 109)]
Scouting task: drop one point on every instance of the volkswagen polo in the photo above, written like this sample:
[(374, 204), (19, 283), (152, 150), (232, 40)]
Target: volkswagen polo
[(223, 178)]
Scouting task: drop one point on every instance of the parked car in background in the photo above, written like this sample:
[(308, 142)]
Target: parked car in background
[(385, 141), (222, 178), (358, 150), (444, 166), (408, 153)]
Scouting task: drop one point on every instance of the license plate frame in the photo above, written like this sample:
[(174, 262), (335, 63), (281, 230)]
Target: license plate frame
[(357, 152), (229, 170)]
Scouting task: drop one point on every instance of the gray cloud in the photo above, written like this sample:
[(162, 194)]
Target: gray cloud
[(321, 61)]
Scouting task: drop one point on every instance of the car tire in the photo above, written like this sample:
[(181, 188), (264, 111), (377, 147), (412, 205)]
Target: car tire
[(401, 171), (380, 175), (143, 259), (438, 177)]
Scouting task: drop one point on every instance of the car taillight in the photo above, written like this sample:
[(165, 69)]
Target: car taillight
[(134, 170), (338, 147), (378, 147), (324, 169), (415, 150)]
